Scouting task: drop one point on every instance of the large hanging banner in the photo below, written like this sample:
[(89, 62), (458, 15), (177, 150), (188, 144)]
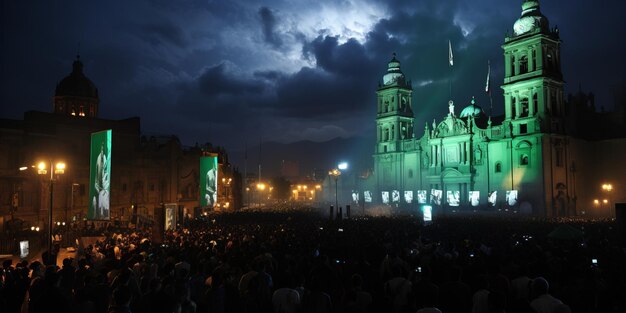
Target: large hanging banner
[(208, 181), (170, 216), (100, 176)]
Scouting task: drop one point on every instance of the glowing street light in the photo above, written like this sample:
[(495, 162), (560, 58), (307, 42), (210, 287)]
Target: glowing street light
[(607, 188), (342, 166), (55, 169), (335, 174)]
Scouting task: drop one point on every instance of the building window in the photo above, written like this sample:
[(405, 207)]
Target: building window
[(498, 167), (385, 148), (410, 173), (523, 64), (513, 104), (524, 160), (524, 105), (535, 104), (523, 128), (534, 60), (81, 189)]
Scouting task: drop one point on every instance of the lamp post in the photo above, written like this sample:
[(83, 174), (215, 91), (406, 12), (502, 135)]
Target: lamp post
[(58, 169), (335, 174)]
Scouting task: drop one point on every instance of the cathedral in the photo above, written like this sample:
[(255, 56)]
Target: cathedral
[(525, 161)]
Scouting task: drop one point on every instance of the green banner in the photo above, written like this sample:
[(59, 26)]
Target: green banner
[(100, 176), (208, 181)]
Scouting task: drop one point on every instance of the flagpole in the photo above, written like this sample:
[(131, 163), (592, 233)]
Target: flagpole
[(488, 89), (450, 63)]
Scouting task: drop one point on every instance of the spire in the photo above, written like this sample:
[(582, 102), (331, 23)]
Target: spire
[(78, 65)]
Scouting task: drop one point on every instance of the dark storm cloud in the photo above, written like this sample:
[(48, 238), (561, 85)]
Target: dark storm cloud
[(286, 70), (215, 81), (164, 33), (268, 24)]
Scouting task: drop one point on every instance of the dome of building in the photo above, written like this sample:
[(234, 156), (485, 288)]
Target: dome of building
[(531, 19), (472, 110), (76, 84), (394, 74)]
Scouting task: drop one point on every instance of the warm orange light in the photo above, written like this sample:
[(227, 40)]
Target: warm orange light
[(59, 168), (260, 186), (605, 201), (596, 201)]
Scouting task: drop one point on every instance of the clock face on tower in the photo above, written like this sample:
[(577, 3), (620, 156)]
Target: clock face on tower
[(523, 25)]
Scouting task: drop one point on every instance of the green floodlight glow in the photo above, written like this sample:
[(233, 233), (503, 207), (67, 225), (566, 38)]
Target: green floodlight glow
[(343, 166)]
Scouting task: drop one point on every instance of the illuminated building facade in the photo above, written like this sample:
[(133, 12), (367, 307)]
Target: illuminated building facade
[(147, 171), (527, 154)]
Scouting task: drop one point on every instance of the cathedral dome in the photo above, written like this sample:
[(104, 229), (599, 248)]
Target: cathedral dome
[(472, 110), (531, 19), (394, 74), (76, 84)]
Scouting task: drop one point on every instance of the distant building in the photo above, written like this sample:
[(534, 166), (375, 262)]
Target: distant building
[(147, 170), (545, 156)]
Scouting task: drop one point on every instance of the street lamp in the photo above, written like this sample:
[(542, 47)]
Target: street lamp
[(335, 174), (55, 170), (607, 188)]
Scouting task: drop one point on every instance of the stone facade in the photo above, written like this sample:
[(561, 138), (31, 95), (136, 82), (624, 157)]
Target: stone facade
[(532, 149)]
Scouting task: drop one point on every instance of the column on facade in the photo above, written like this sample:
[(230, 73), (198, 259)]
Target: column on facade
[(517, 104), (529, 54), (507, 105), (516, 60), (507, 65), (531, 101)]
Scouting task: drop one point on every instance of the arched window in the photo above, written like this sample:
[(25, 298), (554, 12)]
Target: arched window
[(386, 134), (523, 64), (535, 104), (534, 60), (498, 168), (524, 107), (524, 160)]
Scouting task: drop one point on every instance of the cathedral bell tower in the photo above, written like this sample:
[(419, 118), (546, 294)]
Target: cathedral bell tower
[(394, 124), (533, 82)]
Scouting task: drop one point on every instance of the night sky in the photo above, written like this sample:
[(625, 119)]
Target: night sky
[(232, 72)]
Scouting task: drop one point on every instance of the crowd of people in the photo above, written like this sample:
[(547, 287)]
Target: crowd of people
[(300, 261)]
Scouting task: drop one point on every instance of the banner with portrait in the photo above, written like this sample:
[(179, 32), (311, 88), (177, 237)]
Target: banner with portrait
[(511, 197), (435, 196), (385, 197), (474, 198), (100, 176), (408, 196), (422, 196), (170, 216), (208, 181), (367, 196)]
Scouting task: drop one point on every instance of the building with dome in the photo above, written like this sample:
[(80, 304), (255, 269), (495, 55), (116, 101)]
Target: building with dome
[(147, 170), (75, 94), (525, 161)]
